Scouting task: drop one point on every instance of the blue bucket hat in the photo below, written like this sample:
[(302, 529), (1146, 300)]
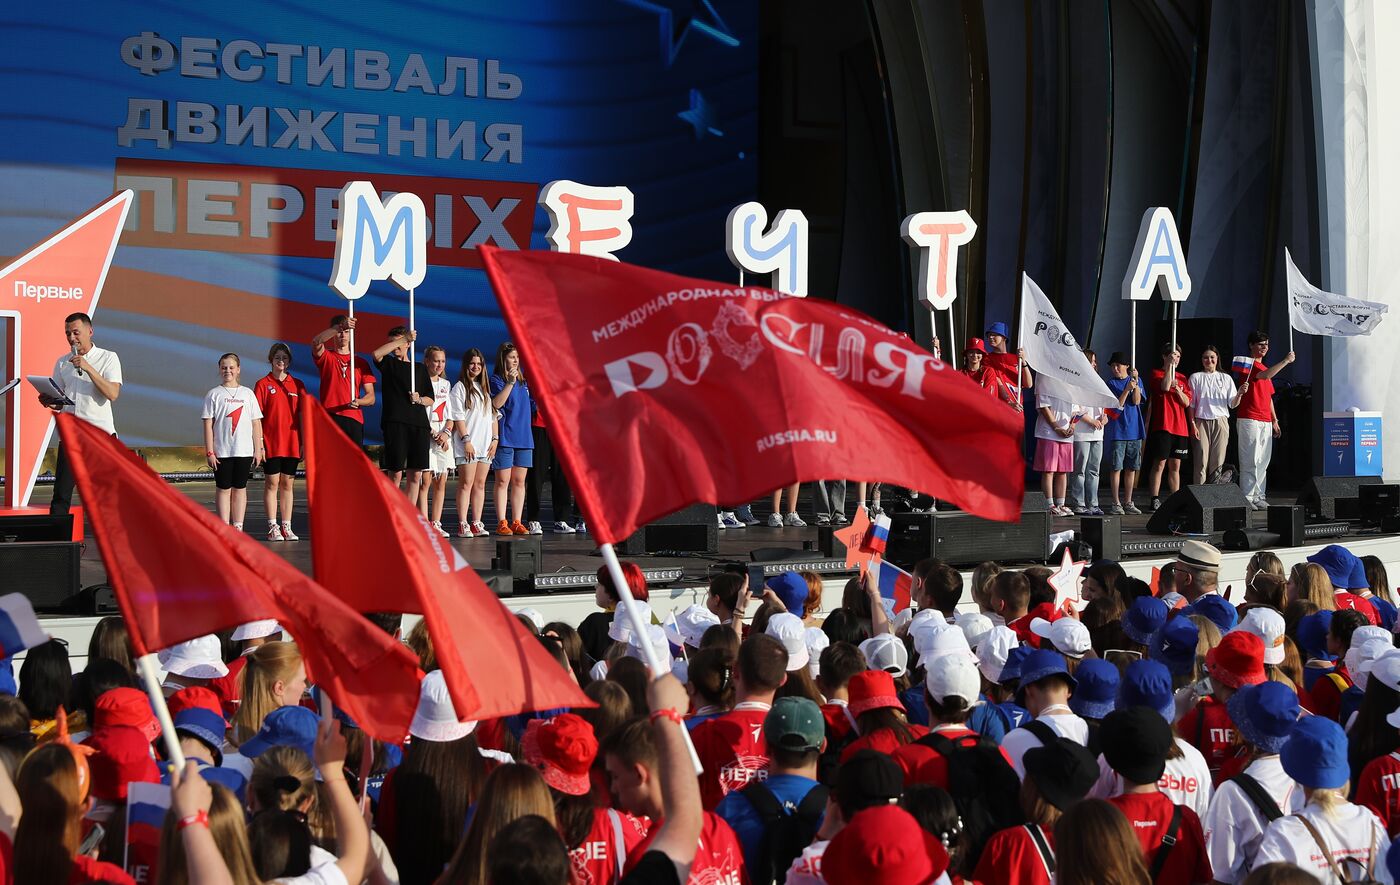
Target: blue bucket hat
[(1144, 617), (284, 727), (1315, 753), (1265, 714), (205, 726), (1011, 671), (998, 329), (1342, 566), (1217, 609), (1098, 686), (1174, 646), (1042, 663), (791, 589), (1312, 634), (1147, 684)]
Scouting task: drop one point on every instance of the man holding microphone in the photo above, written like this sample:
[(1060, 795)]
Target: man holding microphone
[(91, 379)]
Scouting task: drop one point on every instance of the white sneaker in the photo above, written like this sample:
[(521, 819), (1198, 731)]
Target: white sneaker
[(794, 520), (442, 531), (479, 529), (464, 530), (563, 528), (274, 532), (535, 528), (731, 521), (719, 521), (287, 532), (775, 520)]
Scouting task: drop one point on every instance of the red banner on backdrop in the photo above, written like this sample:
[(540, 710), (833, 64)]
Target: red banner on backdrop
[(662, 391), (269, 211)]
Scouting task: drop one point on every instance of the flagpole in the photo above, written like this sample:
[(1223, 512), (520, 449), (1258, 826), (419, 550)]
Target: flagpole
[(634, 615), (1132, 335), (412, 346), (1173, 327), (146, 664), (952, 335), (351, 373)]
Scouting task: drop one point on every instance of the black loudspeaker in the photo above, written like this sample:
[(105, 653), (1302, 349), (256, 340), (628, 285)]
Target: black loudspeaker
[(1249, 539), (963, 539), (1378, 501), (1104, 535), (44, 571), (499, 580), (36, 527), (1201, 510), (1334, 497), (1286, 521), (520, 558), (694, 529), (778, 554), (99, 599)]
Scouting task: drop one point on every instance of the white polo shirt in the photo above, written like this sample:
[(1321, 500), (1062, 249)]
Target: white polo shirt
[(88, 403)]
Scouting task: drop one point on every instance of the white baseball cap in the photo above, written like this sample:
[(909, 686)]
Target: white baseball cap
[(937, 638), (436, 718), (975, 627), (1386, 668), (886, 651), (199, 658), (788, 629), (817, 641), (1268, 625), (1361, 657), (1069, 635), (536, 617), (953, 676), (993, 650), (256, 630)]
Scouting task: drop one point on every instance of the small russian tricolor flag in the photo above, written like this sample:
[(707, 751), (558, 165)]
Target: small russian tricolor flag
[(1244, 365), (146, 806), (19, 629), (877, 537), (895, 584)]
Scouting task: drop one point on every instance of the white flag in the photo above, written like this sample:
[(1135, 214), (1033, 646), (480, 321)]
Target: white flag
[(1052, 352), (1316, 312)]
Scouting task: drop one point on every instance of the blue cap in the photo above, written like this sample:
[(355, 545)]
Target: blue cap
[(1315, 753), (284, 727), (1144, 617), (1265, 714), (1174, 646), (1042, 663), (1312, 634), (1342, 567), (1217, 609), (998, 329), (1147, 684), (205, 725), (1098, 686), (1011, 670), (791, 589)]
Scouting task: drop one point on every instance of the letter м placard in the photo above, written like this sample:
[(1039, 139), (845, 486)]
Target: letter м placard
[(377, 240)]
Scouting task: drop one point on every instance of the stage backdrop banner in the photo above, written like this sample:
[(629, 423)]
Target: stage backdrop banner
[(237, 125)]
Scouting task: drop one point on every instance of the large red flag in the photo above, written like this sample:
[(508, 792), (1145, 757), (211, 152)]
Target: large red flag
[(661, 391), (179, 573), (380, 554)]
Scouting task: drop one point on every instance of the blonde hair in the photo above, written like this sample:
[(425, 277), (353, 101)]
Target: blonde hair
[(267, 665), (981, 584), (1207, 638), (271, 786), (1329, 802), (230, 835), (511, 792), (1314, 585)]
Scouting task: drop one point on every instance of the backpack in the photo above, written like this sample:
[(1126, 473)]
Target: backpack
[(784, 835), (1256, 794), (1343, 869), (984, 788)]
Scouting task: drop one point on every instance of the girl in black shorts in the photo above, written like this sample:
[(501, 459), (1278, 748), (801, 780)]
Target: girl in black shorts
[(233, 439)]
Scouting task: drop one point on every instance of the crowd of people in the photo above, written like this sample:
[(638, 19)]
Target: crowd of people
[(1166, 734)]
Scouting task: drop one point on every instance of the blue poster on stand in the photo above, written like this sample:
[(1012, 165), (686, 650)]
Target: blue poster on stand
[(1352, 444)]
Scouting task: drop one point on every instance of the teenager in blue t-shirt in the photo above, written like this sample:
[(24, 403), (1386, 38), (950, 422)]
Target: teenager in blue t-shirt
[(1124, 434), (515, 451)]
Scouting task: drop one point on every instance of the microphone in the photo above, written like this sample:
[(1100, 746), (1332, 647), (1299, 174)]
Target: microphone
[(76, 369)]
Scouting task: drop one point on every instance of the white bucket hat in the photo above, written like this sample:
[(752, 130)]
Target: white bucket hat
[(817, 642), (199, 658), (688, 626), (789, 630), (620, 630), (436, 719), (256, 630), (656, 637)]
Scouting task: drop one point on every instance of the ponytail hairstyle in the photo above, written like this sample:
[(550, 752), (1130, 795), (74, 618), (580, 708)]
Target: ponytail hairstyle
[(268, 665), (711, 677), (282, 780)]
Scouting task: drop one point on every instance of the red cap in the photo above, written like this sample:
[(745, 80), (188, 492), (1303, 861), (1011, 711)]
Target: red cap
[(883, 845), (871, 690), (1238, 659), (975, 344), (563, 749), (126, 706), (195, 696), (122, 755)]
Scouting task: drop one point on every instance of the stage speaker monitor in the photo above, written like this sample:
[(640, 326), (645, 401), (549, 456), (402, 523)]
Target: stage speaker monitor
[(35, 527), (1334, 497), (1249, 539), (963, 539), (1202, 509), (1104, 535), (1286, 521), (520, 557), (44, 571), (1377, 501), (778, 554), (694, 529)]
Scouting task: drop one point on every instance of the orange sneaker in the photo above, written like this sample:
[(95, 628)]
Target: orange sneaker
[(504, 528), (518, 529)]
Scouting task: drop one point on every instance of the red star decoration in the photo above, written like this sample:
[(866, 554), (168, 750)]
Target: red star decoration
[(852, 536)]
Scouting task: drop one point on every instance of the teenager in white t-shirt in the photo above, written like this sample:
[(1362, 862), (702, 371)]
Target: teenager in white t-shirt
[(1213, 395), (91, 378), (440, 458), (476, 432), (233, 439)]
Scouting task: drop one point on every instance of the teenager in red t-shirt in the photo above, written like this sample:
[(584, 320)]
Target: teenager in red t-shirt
[(731, 747), (1378, 786), (342, 396), (951, 686), (880, 717), (1135, 744), (1256, 421), (280, 397), (1168, 429)]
